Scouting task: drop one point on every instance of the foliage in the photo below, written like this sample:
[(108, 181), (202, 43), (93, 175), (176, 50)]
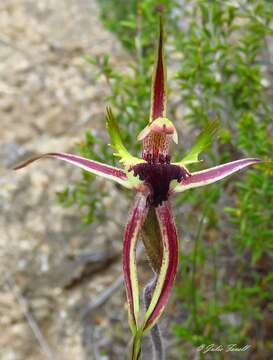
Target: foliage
[(220, 53), (223, 75)]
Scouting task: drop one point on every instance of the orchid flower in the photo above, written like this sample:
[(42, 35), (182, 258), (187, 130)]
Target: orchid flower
[(155, 179)]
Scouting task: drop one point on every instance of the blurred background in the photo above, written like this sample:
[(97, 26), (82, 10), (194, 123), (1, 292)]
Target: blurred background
[(61, 63)]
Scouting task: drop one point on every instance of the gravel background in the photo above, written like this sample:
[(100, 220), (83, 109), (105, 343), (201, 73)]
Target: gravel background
[(50, 266)]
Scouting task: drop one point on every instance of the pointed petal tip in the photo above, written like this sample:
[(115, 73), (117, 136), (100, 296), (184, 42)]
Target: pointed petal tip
[(27, 162), (108, 110), (216, 173), (94, 167), (17, 167), (158, 93)]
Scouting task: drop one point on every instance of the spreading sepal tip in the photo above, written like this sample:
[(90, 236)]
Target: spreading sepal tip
[(106, 171), (211, 175), (159, 92)]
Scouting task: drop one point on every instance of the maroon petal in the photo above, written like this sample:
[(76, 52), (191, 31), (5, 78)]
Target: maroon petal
[(92, 166), (137, 217), (158, 98), (209, 176), (168, 269)]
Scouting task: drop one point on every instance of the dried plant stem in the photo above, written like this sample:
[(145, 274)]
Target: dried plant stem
[(158, 347), (31, 321), (102, 298)]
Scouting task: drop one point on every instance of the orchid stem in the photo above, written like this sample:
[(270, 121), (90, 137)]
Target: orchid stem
[(135, 352), (158, 347)]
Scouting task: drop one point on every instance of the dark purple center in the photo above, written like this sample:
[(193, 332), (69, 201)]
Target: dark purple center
[(158, 177)]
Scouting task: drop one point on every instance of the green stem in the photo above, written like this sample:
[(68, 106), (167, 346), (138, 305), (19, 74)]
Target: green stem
[(135, 351)]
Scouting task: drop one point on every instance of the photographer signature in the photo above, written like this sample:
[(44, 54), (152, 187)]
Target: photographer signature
[(222, 348)]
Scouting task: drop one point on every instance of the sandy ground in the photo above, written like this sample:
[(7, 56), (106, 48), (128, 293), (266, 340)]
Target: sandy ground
[(49, 96)]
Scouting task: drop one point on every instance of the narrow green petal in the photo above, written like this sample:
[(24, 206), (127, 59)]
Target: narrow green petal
[(202, 142), (116, 142)]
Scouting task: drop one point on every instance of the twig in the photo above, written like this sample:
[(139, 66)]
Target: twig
[(102, 298), (31, 321), (159, 352), (8, 43)]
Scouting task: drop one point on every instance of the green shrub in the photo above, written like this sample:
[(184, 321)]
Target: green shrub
[(219, 53)]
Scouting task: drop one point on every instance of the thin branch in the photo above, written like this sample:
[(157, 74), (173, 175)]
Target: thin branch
[(155, 333), (105, 295), (30, 319), (8, 43), (102, 298)]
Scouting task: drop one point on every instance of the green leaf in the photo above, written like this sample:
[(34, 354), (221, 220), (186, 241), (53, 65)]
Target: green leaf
[(116, 142), (202, 142)]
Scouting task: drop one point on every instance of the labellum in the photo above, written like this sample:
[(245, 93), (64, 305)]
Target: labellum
[(157, 177)]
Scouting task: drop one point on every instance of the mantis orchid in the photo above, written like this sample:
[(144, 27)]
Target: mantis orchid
[(154, 179)]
